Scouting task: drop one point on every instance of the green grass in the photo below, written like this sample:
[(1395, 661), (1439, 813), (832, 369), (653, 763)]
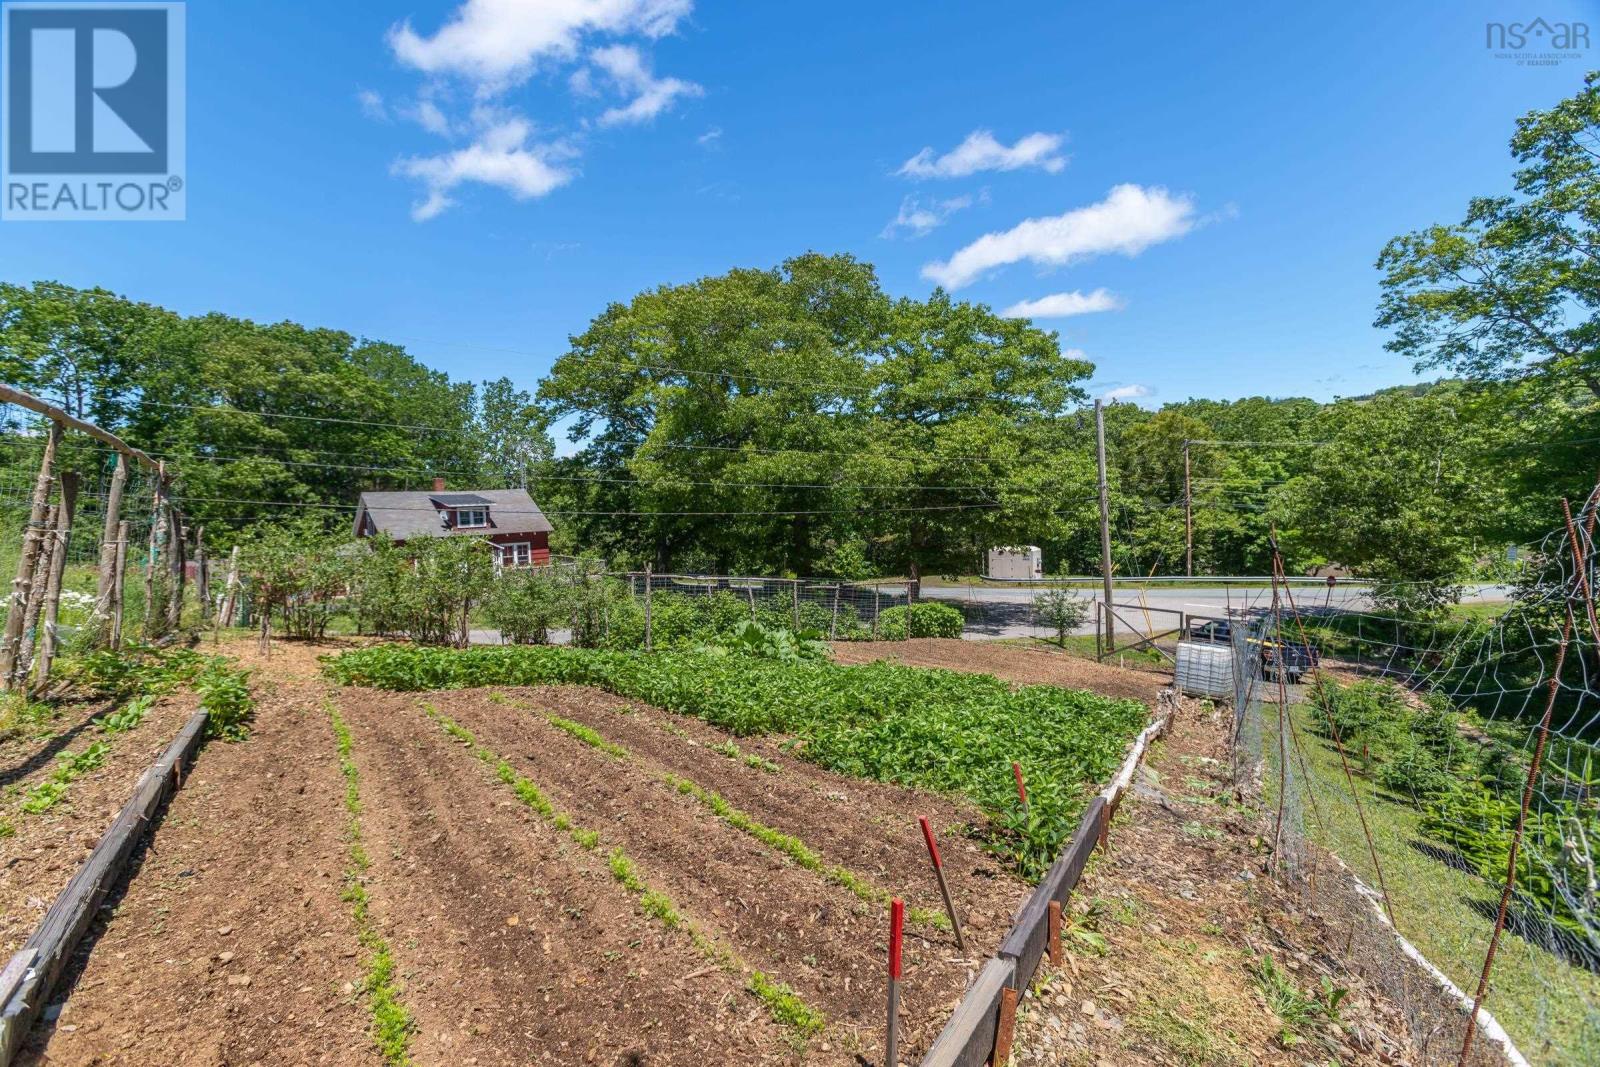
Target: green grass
[(392, 1024), (1536, 996), (1302, 1013), (783, 1004)]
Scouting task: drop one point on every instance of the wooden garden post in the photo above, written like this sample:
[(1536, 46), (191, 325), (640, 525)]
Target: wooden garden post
[(22, 585), (230, 595), (58, 567), (158, 532), (794, 590), (175, 563), (202, 580), (35, 604), (110, 553), (118, 574)]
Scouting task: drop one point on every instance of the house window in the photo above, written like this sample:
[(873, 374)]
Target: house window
[(466, 518), (518, 554)]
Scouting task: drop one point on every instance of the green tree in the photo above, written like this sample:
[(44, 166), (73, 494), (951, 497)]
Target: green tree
[(1511, 294), (1395, 494)]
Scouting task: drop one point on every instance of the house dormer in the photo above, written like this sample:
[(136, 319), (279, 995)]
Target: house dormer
[(462, 511)]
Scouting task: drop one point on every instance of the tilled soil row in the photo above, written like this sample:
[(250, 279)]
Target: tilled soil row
[(869, 827), (517, 945), (229, 943), (1024, 666), (787, 921), (44, 850)]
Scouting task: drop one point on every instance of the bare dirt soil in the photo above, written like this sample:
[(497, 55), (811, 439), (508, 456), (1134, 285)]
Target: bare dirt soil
[(230, 945), (1025, 666), (869, 827), (44, 849), (516, 945), (791, 923)]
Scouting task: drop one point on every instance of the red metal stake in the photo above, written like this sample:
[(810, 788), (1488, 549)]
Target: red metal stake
[(944, 889), (897, 923), (1022, 790)]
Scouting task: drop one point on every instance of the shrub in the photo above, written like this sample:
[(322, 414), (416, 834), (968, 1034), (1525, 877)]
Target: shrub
[(1061, 610), (927, 619)]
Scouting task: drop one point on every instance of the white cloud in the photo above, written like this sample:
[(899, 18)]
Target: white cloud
[(919, 218), (371, 103), (1065, 305), (499, 43), (629, 72), (428, 115), (980, 151), (1130, 219), (1126, 392), (502, 155), (711, 138)]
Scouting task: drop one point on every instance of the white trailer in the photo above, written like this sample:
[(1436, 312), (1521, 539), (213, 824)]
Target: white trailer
[(1020, 563)]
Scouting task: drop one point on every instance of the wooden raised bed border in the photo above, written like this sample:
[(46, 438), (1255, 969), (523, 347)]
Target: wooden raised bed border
[(969, 1038), (30, 977)]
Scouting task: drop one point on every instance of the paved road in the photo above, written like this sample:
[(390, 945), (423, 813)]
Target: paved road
[(1005, 611)]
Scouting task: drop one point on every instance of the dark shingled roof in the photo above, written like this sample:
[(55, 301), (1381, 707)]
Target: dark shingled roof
[(406, 515)]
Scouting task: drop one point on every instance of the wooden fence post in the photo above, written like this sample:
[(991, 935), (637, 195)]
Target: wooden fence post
[(109, 553), (46, 549), (175, 563), (833, 627), (158, 533), (877, 599), (794, 591), (230, 591), (22, 585), (58, 567), (202, 579), (117, 581)]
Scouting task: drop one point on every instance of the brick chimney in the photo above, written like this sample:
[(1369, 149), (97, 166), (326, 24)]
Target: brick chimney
[(438, 484)]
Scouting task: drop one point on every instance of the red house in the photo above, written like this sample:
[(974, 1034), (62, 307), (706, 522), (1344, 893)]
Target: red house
[(506, 518)]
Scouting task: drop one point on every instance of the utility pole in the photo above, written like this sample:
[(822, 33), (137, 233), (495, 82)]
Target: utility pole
[(1105, 518), (1188, 518)]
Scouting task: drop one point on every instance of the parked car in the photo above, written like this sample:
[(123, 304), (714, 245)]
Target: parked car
[(1213, 631), (1294, 659)]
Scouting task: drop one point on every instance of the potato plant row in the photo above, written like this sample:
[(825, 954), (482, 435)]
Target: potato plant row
[(932, 729)]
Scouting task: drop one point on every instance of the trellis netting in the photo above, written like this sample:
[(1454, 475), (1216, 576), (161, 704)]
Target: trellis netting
[(1443, 773)]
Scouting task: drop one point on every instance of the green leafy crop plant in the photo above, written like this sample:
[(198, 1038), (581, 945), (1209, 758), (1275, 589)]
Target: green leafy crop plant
[(932, 729)]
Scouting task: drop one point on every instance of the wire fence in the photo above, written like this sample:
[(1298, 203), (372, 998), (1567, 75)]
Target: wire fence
[(1431, 787)]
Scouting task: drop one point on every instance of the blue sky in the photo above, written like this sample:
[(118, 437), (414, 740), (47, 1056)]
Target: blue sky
[(475, 179)]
